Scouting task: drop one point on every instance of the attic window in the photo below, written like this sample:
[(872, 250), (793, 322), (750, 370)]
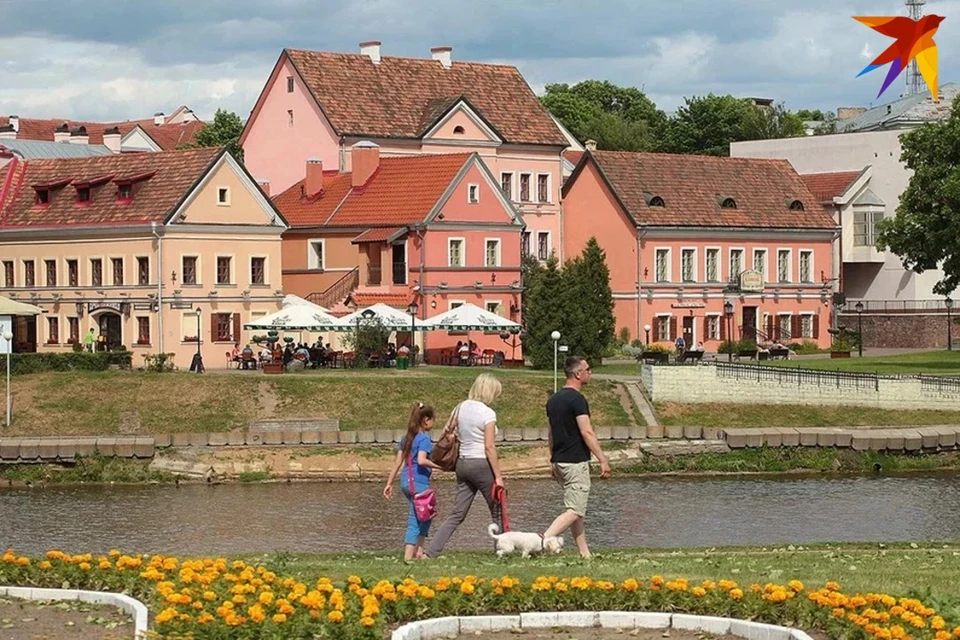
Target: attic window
[(728, 203), (83, 195), (43, 197), (458, 130), (289, 84), (125, 192), (656, 201), (796, 205)]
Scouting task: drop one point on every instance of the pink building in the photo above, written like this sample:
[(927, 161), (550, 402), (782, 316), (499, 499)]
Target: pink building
[(684, 234), (318, 105), (431, 229)]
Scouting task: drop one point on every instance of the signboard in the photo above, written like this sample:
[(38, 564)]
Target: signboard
[(751, 281), (181, 305), (687, 305), (103, 304)]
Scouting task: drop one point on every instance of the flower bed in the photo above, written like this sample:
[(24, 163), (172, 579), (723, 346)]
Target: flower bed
[(216, 598)]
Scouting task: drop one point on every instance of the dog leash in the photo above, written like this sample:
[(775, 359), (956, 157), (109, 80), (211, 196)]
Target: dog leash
[(500, 497)]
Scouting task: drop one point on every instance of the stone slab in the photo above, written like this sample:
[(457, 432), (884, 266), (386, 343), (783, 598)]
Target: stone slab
[(772, 437), (861, 441), (282, 424), (124, 446), (808, 437), (638, 433), (621, 433), (291, 436), (673, 432), (473, 624), (319, 437), (107, 446), (9, 448), (66, 448), (272, 437), (790, 436), (144, 447), (604, 433), (712, 433), (181, 439), (236, 438), (512, 434), (85, 445), (218, 439), (844, 438), (912, 441), (530, 434), (366, 436), (545, 434), (692, 433), (577, 619), (253, 438), (199, 439), (930, 437), (163, 439), (948, 436), (710, 624), (347, 437), (48, 448), (736, 438), (655, 431), (878, 439)]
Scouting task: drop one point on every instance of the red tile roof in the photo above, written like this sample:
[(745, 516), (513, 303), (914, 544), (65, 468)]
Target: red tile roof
[(167, 136), (573, 157), (827, 186), (404, 97), (364, 299), (175, 173), (380, 234), (692, 188), (402, 191)]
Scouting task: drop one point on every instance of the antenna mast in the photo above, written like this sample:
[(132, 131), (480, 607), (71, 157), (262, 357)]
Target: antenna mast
[(914, 79)]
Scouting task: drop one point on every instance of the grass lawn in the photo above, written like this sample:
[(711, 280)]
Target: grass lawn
[(897, 569), (943, 363), (112, 402), (794, 415)]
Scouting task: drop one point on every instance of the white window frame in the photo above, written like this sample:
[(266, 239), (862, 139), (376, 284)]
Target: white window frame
[(189, 319), (766, 262), (529, 235), (226, 191), (136, 266), (266, 270), (123, 261), (47, 328), (487, 303), (669, 274), (706, 254), (708, 335), (532, 186), (789, 253), (743, 257), (693, 263), (779, 327), (473, 193), (662, 316), (233, 271), (463, 252), (513, 185), (803, 315), (56, 267), (89, 279), (549, 245), (498, 262), (549, 199), (195, 256), (800, 253), (312, 255)]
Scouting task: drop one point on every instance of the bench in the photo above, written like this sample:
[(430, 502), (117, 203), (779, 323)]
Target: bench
[(749, 354), (780, 354), (654, 357), (695, 356)]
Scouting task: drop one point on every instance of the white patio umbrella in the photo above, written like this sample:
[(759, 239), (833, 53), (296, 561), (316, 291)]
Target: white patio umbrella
[(291, 300), (10, 307), (298, 317), (391, 318), (469, 317)]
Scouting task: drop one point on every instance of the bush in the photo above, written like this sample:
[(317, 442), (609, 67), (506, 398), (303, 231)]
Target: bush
[(729, 346), (22, 363), (657, 348), (158, 362), (807, 346)]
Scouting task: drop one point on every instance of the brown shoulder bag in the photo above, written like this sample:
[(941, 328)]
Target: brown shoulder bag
[(446, 450)]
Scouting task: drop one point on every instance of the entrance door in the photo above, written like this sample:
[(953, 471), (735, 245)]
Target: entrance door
[(749, 331), (399, 264), (110, 326), (25, 334), (688, 332)]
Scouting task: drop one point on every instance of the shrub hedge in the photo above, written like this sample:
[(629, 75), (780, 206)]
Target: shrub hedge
[(21, 363)]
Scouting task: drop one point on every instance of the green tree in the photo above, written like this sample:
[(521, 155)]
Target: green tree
[(810, 114), (774, 122), (588, 301), (925, 229), (225, 131), (545, 313)]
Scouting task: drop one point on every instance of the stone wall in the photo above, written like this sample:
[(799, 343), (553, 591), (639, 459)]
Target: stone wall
[(903, 330), (758, 384)]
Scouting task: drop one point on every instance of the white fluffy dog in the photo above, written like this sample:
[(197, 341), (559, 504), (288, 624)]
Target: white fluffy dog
[(525, 543)]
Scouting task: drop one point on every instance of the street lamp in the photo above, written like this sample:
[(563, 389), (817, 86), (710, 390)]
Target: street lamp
[(859, 308), (412, 310), (646, 328), (948, 303), (556, 337), (728, 312), (8, 339), (197, 364)]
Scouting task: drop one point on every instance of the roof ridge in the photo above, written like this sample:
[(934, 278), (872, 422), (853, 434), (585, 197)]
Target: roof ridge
[(354, 54)]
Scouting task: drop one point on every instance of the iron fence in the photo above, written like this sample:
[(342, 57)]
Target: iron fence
[(937, 384), (790, 375), (896, 306)]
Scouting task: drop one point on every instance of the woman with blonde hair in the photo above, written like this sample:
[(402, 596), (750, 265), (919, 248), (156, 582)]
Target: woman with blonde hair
[(478, 468)]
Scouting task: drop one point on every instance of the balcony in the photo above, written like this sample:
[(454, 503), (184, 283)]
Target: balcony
[(399, 273)]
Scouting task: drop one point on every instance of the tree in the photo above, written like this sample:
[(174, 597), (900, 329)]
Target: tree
[(588, 301), (545, 313), (771, 123), (810, 114), (925, 229), (225, 131)]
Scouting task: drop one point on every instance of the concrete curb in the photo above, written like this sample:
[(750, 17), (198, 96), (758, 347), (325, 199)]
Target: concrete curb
[(130, 605), (453, 625)]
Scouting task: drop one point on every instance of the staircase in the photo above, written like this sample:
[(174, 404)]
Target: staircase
[(336, 293)]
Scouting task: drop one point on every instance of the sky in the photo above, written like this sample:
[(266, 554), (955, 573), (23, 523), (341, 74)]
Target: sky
[(108, 60)]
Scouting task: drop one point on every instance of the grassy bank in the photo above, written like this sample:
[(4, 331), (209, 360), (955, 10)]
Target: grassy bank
[(85, 470), (794, 415), (130, 402)]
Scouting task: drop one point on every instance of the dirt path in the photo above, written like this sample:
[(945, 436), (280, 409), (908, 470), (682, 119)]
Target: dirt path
[(37, 620), (268, 400)]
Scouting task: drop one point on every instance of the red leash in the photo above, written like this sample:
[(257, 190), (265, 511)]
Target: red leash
[(500, 497)]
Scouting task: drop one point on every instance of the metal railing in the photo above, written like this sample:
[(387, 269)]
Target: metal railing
[(937, 384), (790, 375), (338, 291), (399, 273), (895, 306)]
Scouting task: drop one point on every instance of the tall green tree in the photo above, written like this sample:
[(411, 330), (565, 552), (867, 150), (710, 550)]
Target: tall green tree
[(926, 227), (545, 313), (225, 131), (588, 301)]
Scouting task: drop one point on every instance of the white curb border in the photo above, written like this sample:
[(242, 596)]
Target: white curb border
[(445, 627), (130, 605)]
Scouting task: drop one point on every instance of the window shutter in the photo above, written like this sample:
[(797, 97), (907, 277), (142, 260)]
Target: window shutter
[(723, 327), (770, 327), (795, 326), (673, 328), (213, 328), (816, 326), (236, 327)]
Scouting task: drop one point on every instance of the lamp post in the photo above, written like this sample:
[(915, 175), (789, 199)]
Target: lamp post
[(948, 303), (197, 364), (556, 337), (646, 328), (412, 310), (728, 312), (859, 308), (8, 339), (512, 342)]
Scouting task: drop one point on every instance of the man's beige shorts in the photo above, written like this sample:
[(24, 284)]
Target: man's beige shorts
[(574, 477)]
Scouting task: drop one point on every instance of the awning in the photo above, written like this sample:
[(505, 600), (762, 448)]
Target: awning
[(10, 307), (470, 317), (295, 318)]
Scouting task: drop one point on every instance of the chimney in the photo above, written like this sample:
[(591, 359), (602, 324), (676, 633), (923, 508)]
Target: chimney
[(371, 49), (364, 160), (79, 136), (61, 133), (442, 54), (845, 113), (158, 118), (591, 145), (7, 132), (314, 178), (111, 139), (15, 121), (265, 187)]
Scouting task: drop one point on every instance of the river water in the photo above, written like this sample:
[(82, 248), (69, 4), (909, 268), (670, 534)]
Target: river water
[(342, 516)]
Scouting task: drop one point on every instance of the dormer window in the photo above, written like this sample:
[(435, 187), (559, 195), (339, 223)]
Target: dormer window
[(656, 201), (458, 130), (125, 185), (796, 205), (43, 197), (125, 192), (728, 203), (83, 195)]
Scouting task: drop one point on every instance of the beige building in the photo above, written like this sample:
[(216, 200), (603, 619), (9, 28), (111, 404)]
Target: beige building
[(130, 246)]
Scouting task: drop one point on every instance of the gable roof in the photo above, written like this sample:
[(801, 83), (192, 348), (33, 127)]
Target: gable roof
[(167, 135), (692, 188), (175, 174), (402, 191), (827, 186), (400, 97), (908, 111), (33, 149)]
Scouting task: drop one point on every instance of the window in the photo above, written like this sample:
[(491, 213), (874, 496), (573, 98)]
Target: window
[(143, 270), (663, 265), (190, 326), (524, 187), (525, 243), (258, 271), (74, 325), (83, 194), (43, 197), (865, 227), (506, 184), (455, 251), (290, 118), (459, 130), (688, 263), (51, 272), (663, 329), (783, 265), (785, 320), (8, 280), (315, 255), (473, 193), (73, 273), (806, 325), (289, 84), (713, 268), (493, 253), (493, 307), (729, 203), (736, 263), (760, 262), (117, 270), (125, 192), (224, 327), (96, 272), (53, 330), (543, 187), (543, 245), (29, 274), (143, 330), (806, 266), (223, 196), (713, 327), (189, 268), (223, 270)]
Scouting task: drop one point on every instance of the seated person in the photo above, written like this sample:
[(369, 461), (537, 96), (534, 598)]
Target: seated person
[(265, 354), (235, 353), (464, 350), (699, 347), (302, 353)]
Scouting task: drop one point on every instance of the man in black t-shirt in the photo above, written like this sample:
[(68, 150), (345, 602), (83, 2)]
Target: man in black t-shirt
[(572, 440)]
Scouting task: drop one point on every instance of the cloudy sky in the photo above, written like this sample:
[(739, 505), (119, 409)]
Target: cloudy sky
[(119, 59)]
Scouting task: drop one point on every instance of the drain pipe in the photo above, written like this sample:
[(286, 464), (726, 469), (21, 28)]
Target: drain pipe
[(153, 227), (423, 264), (641, 232)]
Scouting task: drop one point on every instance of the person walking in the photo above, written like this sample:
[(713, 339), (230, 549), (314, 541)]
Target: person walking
[(478, 467), (571, 441), (88, 340)]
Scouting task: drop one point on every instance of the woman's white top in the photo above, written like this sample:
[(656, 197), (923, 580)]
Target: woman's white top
[(473, 415)]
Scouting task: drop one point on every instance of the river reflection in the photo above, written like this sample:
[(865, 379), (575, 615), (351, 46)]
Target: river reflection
[(330, 517)]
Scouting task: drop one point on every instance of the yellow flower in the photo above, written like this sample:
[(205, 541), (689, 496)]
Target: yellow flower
[(630, 585), (45, 564), (205, 617), (84, 566), (937, 623), (209, 596), (335, 616), (466, 588), (698, 592), (796, 585), (279, 618), (736, 594), (166, 615), (367, 621), (839, 612)]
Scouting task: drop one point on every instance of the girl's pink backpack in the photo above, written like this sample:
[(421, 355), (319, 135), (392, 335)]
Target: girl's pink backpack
[(425, 502)]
